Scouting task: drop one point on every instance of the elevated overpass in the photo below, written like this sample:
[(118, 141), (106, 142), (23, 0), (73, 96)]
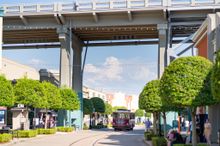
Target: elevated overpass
[(102, 23)]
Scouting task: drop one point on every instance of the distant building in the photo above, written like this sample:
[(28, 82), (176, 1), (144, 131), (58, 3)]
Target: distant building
[(13, 70), (121, 99), (48, 76), (89, 93)]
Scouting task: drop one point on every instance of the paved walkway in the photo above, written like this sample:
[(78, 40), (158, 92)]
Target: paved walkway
[(85, 138), (58, 139)]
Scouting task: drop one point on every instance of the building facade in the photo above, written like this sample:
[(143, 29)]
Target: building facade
[(13, 70)]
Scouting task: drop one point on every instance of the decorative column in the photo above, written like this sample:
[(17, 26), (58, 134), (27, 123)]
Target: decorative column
[(65, 70), (162, 48), (1, 36)]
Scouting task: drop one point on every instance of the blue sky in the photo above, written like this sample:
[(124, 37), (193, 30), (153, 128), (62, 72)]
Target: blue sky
[(121, 68)]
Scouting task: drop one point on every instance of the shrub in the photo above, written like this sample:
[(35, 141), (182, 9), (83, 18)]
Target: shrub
[(25, 133), (5, 138), (149, 135), (85, 127), (200, 144), (65, 129), (159, 141), (46, 131)]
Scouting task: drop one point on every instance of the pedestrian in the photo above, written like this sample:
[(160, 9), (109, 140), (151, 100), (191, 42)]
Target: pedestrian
[(207, 131), (147, 125), (170, 137)]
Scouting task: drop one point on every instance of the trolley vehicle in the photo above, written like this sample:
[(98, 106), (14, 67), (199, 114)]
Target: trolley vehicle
[(123, 120)]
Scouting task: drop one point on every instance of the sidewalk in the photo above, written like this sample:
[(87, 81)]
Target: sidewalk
[(58, 139), (149, 143)]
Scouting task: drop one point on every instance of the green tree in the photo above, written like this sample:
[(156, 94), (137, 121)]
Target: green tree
[(150, 100), (52, 94), (70, 100), (108, 109), (30, 93), (115, 108), (98, 104), (139, 113), (148, 115), (6, 93), (215, 78), (87, 106), (186, 83)]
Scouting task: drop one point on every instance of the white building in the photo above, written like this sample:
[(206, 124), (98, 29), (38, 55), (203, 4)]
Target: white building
[(121, 99), (13, 70), (89, 93)]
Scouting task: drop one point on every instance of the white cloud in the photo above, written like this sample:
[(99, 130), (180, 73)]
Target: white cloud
[(143, 73), (89, 68), (120, 75), (35, 61), (108, 71)]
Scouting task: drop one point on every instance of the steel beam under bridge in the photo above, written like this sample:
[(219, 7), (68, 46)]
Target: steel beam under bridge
[(100, 44)]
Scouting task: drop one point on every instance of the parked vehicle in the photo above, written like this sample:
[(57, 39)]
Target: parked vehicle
[(123, 120)]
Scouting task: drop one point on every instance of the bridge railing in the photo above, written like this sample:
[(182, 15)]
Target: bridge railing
[(96, 5)]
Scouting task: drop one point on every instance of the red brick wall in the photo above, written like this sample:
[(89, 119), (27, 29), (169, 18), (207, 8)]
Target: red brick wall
[(203, 47)]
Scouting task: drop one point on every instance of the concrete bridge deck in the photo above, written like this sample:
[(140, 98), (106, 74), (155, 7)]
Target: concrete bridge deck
[(104, 20)]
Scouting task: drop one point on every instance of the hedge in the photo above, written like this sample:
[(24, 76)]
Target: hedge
[(65, 129), (46, 131), (85, 127), (200, 144), (159, 141), (98, 126), (5, 138), (148, 135), (25, 133)]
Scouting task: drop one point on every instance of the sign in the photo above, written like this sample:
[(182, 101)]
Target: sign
[(2, 116)]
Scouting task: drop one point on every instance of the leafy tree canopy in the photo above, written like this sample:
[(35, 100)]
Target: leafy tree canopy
[(6, 93), (149, 98), (139, 113), (30, 93), (215, 78), (87, 106), (98, 104), (70, 99), (186, 82), (115, 108), (108, 109), (52, 94)]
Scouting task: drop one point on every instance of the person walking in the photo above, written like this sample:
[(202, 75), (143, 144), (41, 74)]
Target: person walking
[(207, 131), (147, 125)]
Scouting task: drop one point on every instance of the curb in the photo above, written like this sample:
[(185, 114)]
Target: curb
[(148, 143)]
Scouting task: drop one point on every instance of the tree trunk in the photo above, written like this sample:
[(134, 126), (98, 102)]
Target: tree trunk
[(45, 123), (34, 121), (164, 124), (154, 122), (194, 136)]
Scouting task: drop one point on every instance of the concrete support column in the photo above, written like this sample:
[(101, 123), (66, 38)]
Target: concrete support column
[(1, 36), (213, 45), (65, 57), (211, 36), (77, 82), (65, 69), (162, 48)]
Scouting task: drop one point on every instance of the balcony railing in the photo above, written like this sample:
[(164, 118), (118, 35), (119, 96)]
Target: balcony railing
[(100, 5)]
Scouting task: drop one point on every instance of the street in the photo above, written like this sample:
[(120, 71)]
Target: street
[(87, 138)]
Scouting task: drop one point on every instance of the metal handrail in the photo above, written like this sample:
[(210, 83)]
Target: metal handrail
[(96, 5)]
